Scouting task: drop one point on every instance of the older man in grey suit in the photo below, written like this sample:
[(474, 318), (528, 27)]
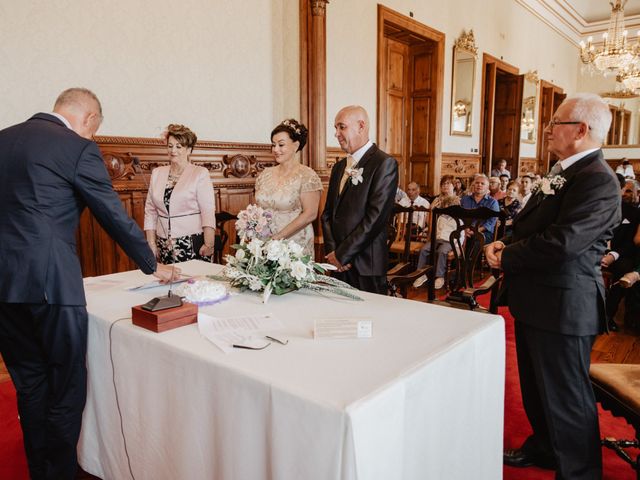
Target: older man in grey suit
[(555, 291)]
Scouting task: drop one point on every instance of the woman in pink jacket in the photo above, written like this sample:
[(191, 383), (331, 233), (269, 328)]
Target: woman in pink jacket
[(179, 214)]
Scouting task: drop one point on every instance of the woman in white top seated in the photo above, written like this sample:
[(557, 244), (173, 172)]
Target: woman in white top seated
[(444, 227)]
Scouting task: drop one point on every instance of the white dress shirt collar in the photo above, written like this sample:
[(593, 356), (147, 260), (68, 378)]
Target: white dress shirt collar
[(567, 162), (64, 120), (358, 154)]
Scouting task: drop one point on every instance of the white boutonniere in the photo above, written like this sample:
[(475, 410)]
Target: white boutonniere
[(550, 185), (355, 174)]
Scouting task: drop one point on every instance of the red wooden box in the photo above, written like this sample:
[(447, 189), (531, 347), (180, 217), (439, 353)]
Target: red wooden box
[(163, 320)]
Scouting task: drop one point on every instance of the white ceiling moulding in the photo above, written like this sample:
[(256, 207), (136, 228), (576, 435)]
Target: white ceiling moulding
[(568, 22)]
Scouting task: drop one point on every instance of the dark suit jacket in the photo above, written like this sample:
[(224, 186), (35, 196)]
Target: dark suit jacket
[(623, 233), (551, 263), (48, 174), (354, 222)]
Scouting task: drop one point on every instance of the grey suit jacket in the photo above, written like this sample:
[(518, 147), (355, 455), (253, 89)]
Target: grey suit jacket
[(48, 174), (354, 221), (551, 263)]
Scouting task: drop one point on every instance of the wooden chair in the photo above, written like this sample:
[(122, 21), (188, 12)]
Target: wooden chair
[(403, 244), (467, 251), (222, 236), (404, 240), (617, 388)]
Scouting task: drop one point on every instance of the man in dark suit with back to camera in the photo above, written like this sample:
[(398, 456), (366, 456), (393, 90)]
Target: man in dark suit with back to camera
[(554, 288), (359, 203), (50, 169)]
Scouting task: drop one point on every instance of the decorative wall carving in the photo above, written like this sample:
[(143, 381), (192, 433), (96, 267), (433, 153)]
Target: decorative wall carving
[(527, 165), (460, 164), (467, 41), (319, 7)]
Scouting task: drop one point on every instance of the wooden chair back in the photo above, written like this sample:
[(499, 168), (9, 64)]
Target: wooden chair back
[(467, 245)]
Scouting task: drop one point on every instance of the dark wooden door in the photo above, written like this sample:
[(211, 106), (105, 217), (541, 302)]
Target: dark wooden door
[(506, 120), (422, 104), (396, 83)]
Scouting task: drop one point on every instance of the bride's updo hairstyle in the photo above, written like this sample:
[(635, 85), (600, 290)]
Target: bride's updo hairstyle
[(182, 134), (296, 131)]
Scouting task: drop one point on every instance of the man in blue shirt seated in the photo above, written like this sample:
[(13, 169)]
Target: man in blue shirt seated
[(479, 197)]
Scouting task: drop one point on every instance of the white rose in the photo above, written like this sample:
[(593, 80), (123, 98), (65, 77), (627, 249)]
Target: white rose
[(298, 270), (295, 249), (275, 250), (545, 186), (255, 248), (240, 254)]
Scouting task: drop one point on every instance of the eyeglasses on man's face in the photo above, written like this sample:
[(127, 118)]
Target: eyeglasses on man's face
[(553, 123)]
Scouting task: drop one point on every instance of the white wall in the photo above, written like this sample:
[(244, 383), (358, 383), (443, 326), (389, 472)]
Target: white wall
[(228, 69), (502, 28)]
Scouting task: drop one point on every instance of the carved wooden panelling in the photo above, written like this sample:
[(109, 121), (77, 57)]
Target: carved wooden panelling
[(528, 165), (460, 164), (129, 161)]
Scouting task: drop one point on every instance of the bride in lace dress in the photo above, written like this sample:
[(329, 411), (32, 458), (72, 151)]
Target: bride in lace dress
[(289, 189)]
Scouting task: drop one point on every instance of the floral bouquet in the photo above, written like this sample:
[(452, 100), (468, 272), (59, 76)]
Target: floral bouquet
[(549, 184), (254, 222), (279, 266)]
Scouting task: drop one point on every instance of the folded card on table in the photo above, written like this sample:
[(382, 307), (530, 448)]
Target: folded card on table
[(343, 328)]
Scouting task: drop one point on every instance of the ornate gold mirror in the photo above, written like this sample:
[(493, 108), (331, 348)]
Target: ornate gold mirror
[(529, 121), (464, 72)]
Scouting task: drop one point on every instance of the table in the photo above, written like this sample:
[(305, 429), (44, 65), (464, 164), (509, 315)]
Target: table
[(423, 399)]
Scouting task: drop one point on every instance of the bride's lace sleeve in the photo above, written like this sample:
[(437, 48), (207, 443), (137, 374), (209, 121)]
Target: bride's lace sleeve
[(310, 181)]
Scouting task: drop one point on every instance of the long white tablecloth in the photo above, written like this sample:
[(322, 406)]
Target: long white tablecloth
[(422, 399)]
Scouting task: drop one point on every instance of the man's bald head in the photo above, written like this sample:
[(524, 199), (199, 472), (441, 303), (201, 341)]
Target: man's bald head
[(82, 109), (352, 128)]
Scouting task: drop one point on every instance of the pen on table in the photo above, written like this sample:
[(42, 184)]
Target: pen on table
[(246, 347), (281, 342)]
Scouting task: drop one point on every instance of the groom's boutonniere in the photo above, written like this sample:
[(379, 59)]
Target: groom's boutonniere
[(355, 174), (549, 185)]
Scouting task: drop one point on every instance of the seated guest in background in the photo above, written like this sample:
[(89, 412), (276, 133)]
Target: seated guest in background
[(630, 282), (459, 187), (526, 185), (444, 227), (446, 190), (415, 200), (504, 181), (623, 253), (501, 169), (50, 170), (511, 204), (626, 169), (179, 214), (479, 197), (401, 196), (630, 193), (494, 188), (289, 189)]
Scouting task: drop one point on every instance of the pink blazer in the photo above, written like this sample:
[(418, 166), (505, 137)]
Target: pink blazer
[(192, 203)]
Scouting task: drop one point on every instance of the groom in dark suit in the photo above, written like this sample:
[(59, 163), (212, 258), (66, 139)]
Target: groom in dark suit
[(359, 203), (50, 169), (554, 288)]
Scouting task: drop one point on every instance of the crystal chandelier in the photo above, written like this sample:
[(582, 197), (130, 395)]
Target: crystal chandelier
[(630, 78), (616, 55)]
